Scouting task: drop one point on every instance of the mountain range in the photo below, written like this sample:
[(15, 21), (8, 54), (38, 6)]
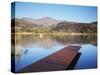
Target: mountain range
[(55, 25), (46, 21)]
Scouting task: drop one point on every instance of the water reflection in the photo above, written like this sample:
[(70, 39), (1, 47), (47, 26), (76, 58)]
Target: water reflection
[(88, 57), (31, 48), (48, 41)]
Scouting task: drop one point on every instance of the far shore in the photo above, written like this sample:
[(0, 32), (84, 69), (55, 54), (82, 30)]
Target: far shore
[(58, 33)]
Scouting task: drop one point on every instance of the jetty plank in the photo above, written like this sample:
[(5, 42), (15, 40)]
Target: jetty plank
[(57, 61)]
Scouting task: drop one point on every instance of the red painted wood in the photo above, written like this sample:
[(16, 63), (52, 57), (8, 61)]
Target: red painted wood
[(57, 61)]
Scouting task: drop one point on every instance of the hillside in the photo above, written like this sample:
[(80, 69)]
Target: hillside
[(76, 27), (47, 24)]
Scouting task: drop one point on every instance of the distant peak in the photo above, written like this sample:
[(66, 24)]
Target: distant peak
[(46, 18)]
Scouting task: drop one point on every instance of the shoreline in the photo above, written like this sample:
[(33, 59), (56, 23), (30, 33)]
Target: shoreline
[(56, 33)]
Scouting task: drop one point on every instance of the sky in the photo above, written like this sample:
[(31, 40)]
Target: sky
[(76, 13)]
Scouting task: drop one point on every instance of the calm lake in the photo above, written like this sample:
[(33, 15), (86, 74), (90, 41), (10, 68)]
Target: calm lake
[(32, 48)]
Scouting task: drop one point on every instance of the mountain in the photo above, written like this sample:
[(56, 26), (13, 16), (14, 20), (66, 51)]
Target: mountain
[(48, 24), (24, 23), (76, 27), (46, 21)]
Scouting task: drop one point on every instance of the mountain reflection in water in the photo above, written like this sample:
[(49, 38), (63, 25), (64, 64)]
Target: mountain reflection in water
[(31, 48), (49, 41)]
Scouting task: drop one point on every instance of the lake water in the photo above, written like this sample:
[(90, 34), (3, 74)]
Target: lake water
[(32, 48)]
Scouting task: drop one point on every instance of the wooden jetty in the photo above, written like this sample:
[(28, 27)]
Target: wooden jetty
[(57, 61)]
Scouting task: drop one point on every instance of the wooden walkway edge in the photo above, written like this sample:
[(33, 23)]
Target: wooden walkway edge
[(57, 61)]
